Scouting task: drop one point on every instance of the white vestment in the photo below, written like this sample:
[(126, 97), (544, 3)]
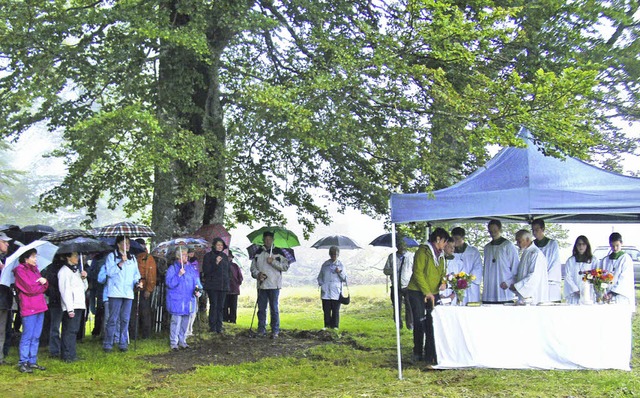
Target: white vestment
[(470, 262), (500, 265), (554, 268), (623, 284), (532, 279), (573, 278)]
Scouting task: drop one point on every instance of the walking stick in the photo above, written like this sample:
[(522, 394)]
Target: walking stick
[(255, 307)]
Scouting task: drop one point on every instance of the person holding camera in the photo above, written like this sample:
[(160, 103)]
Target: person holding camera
[(330, 280), (183, 289), (267, 267), (216, 270)]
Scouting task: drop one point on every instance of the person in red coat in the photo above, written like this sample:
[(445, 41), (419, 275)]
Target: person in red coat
[(31, 287), (231, 306)]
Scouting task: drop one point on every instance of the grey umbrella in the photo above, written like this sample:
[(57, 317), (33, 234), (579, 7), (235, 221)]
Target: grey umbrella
[(341, 241)]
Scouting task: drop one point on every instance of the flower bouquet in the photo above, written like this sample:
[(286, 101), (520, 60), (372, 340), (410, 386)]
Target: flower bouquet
[(600, 279), (459, 282)]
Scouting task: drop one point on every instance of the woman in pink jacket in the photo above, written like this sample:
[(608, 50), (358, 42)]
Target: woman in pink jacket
[(31, 287)]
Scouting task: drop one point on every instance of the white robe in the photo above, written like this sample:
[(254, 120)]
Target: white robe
[(573, 278), (554, 269), (532, 279), (470, 262), (500, 265), (623, 284)]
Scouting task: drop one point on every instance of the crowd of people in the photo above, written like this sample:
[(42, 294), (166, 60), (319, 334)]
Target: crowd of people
[(120, 287), (530, 275)]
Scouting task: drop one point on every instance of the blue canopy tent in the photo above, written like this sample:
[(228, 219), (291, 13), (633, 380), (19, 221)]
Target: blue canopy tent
[(520, 185)]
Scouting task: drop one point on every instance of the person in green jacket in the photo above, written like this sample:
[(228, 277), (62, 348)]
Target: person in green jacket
[(427, 280)]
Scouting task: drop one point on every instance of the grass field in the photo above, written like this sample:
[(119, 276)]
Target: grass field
[(359, 362)]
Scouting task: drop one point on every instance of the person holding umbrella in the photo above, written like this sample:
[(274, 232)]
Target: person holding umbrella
[(267, 267), (122, 276), (183, 284), (330, 280), (31, 287), (72, 282)]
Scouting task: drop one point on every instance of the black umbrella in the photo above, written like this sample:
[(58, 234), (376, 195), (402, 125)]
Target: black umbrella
[(83, 245), (35, 232), (340, 241)]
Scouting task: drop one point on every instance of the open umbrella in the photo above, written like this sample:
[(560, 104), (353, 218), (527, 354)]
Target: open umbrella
[(282, 237), (212, 231), (289, 254), (125, 228), (164, 249), (46, 251), (134, 247), (35, 232), (340, 241), (385, 240), (67, 234), (83, 245)]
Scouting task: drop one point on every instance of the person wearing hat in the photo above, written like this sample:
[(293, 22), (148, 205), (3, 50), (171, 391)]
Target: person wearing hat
[(267, 267), (142, 301), (6, 300)]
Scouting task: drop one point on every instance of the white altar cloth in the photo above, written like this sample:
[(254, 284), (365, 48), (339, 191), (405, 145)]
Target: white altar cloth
[(533, 337)]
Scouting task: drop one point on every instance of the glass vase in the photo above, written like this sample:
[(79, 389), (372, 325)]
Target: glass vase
[(460, 298)]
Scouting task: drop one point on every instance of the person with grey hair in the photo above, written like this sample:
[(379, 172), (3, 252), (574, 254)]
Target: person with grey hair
[(531, 280), (330, 280)]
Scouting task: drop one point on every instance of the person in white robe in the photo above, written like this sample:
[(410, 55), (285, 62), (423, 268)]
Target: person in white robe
[(551, 251), (531, 282), (469, 261), (581, 261), (622, 289), (500, 266)]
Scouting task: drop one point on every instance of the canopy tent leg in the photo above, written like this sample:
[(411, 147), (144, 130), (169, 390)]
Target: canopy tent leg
[(396, 298)]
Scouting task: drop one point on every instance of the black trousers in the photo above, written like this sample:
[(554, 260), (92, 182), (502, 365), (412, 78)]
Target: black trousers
[(70, 327), (423, 338), (331, 309), (231, 308)]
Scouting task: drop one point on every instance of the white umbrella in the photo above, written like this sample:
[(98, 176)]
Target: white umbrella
[(46, 251)]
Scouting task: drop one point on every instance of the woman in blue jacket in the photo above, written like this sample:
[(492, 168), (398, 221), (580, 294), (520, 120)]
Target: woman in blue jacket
[(183, 284)]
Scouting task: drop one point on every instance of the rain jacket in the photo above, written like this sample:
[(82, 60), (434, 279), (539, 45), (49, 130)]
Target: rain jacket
[(53, 292), (120, 282), (236, 279), (148, 271), (273, 271), (330, 281), (30, 292), (216, 276), (72, 288), (181, 299)]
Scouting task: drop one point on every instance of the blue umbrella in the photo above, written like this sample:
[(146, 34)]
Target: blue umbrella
[(385, 240)]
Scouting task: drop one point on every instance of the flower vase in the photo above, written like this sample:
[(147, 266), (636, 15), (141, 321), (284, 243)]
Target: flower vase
[(599, 296), (460, 298)]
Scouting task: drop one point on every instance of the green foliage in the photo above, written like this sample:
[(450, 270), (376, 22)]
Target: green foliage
[(253, 106)]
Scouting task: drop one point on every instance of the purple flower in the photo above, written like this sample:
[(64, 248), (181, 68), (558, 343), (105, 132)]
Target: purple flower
[(462, 284)]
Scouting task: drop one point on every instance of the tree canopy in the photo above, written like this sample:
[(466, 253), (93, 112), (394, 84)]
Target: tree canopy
[(234, 109)]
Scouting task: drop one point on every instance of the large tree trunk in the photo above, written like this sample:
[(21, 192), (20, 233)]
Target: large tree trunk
[(185, 218)]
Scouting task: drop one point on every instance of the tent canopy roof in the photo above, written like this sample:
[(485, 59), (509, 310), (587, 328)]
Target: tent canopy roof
[(522, 184)]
